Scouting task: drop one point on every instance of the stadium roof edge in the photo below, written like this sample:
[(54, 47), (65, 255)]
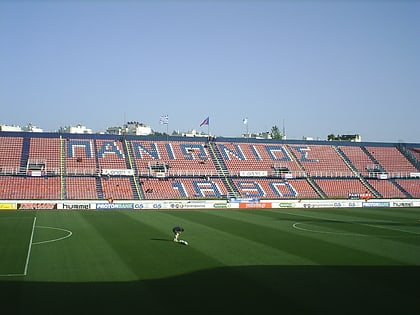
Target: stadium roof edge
[(194, 139)]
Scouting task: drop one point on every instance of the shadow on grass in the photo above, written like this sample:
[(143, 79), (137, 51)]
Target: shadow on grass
[(229, 290)]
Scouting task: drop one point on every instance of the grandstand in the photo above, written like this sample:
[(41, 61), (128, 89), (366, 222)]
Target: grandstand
[(100, 166)]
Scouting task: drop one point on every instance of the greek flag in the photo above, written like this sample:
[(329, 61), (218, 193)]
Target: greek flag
[(164, 120)]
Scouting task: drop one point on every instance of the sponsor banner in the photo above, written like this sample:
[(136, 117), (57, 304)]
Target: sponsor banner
[(402, 204), (117, 172), (175, 205), (253, 173), (321, 205), (415, 175), (114, 206), (187, 205), (255, 205), (353, 204), (359, 196), (8, 206), (37, 206), (286, 205), (149, 206), (375, 204), (244, 200), (76, 206)]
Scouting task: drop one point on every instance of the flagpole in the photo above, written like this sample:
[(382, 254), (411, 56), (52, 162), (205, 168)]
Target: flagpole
[(245, 122), (247, 133), (164, 120)]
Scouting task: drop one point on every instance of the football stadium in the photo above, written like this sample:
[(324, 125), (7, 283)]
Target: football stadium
[(270, 225)]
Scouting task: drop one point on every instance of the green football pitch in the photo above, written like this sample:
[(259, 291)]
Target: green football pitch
[(288, 261)]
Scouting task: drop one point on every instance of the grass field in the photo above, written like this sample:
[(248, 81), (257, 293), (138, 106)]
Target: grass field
[(337, 261)]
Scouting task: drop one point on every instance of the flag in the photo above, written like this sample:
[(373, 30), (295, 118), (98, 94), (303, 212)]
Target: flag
[(164, 120), (205, 121), (245, 121)]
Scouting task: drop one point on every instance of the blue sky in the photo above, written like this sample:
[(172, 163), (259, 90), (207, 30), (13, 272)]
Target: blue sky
[(322, 67)]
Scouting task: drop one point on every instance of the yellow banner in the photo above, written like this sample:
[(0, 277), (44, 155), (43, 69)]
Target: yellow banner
[(8, 206)]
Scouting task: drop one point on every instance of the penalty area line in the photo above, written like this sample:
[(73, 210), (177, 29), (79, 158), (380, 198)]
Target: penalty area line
[(29, 248), (28, 255)]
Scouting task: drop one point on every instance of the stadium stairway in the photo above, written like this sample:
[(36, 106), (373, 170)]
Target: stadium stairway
[(99, 188), (401, 188), (63, 190), (96, 155), (350, 165), (222, 170), (409, 155), (134, 186), (128, 152), (25, 154), (98, 178), (374, 160)]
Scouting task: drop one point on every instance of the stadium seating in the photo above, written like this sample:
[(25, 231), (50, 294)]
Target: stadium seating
[(80, 157), (47, 152), (89, 167), (156, 188), (181, 158), (358, 158), (386, 188), (412, 186), (117, 188), (110, 154), (81, 187), (392, 161), (23, 187), (321, 160), (193, 188), (340, 188), (10, 154), (257, 157), (416, 153), (275, 188)]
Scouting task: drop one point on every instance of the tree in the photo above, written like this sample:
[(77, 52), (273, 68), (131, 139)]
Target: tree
[(157, 133), (275, 133), (331, 137)]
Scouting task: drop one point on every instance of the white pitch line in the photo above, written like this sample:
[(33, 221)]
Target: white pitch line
[(295, 225), (388, 228), (70, 233), (366, 224), (29, 248)]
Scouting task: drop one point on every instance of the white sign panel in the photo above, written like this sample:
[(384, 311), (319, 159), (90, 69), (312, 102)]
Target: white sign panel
[(253, 173), (117, 172)]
